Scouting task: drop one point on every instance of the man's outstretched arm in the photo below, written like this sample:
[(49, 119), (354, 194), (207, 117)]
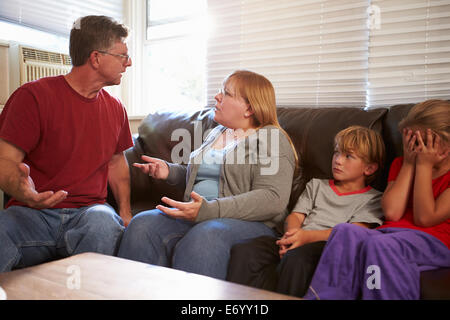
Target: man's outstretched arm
[(15, 179)]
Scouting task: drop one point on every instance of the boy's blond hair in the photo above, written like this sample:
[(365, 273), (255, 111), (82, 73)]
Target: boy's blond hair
[(366, 143)]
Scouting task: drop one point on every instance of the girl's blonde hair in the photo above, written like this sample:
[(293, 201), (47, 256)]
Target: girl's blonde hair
[(431, 114), (366, 143), (258, 92)]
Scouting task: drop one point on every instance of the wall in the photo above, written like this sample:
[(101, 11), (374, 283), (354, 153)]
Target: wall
[(4, 73), (4, 85), (134, 123)]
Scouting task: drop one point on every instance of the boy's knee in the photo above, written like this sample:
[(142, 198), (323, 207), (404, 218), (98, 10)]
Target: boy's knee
[(294, 258), (241, 252), (308, 254)]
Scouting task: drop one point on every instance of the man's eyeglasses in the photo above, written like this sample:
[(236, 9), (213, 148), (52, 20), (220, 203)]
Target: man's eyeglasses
[(123, 56)]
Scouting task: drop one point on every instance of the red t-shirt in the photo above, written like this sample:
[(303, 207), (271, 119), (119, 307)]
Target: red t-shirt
[(68, 139), (439, 185)]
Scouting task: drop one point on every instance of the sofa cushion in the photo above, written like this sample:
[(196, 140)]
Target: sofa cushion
[(155, 140), (435, 284), (311, 129), (392, 138)]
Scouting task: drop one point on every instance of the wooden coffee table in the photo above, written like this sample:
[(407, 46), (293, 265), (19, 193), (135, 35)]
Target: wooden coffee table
[(91, 276)]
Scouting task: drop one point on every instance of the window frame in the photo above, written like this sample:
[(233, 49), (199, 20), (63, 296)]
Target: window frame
[(133, 86)]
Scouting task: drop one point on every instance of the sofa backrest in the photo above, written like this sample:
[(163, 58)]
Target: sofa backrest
[(311, 129), (155, 140), (392, 137)]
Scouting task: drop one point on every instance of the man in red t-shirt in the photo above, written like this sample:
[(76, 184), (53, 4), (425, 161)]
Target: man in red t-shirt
[(61, 142)]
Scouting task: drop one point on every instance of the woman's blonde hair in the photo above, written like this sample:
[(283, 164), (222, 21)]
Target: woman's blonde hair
[(431, 114), (366, 143), (258, 92)]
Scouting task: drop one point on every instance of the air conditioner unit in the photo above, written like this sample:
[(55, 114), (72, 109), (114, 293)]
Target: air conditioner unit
[(36, 64), (29, 64)]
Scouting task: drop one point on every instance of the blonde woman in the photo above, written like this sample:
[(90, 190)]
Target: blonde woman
[(237, 185)]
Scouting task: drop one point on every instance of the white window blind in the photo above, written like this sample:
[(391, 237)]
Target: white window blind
[(56, 16), (314, 52), (409, 57)]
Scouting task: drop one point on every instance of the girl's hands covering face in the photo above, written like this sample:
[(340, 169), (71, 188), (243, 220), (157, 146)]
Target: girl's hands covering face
[(409, 143), (429, 150)]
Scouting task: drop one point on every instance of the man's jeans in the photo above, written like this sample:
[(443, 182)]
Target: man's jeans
[(30, 236), (202, 248)]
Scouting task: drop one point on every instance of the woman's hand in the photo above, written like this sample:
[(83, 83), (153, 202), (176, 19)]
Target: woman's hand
[(429, 151), (154, 167), (409, 143), (184, 210)]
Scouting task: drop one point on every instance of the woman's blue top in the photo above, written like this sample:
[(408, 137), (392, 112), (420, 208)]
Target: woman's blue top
[(208, 175)]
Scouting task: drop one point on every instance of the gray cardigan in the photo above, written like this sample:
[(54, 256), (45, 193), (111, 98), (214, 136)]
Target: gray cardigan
[(255, 181)]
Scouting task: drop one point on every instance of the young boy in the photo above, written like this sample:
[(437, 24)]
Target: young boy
[(287, 265)]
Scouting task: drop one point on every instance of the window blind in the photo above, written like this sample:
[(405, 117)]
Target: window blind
[(409, 55), (314, 52), (56, 16)]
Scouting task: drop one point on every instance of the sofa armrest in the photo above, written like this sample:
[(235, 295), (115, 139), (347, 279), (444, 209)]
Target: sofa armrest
[(435, 284)]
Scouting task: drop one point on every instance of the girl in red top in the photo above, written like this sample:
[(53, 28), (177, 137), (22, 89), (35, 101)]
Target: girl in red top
[(386, 263), (417, 195)]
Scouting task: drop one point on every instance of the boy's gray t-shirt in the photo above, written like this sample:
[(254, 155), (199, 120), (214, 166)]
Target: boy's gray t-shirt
[(325, 207)]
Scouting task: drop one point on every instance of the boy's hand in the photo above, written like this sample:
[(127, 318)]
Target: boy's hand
[(283, 248), (291, 240), (429, 151), (409, 145)]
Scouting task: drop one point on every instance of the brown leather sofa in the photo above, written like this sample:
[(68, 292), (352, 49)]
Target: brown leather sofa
[(312, 131)]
